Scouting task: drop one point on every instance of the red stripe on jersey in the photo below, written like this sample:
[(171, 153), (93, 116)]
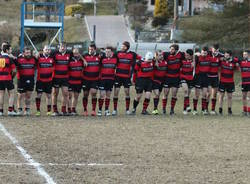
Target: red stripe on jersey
[(214, 66), (245, 71), (144, 69), (174, 64), (25, 67), (204, 64), (45, 68), (91, 72), (75, 70), (61, 65), (6, 68), (160, 71), (125, 62), (187, 69), (108, 66), (227, 71)]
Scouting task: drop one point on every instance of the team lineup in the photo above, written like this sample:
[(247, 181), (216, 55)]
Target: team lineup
[(208, 71)]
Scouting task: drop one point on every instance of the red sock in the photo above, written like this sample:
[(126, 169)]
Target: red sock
[(48, 108), (248, 109), (213, 104), (164, 103), (127, 103), (195, 102), (115, 100), (173, 102), (94, 100), (55, 108), (63, 109), (245, 108), (38, 101), (107, 101), (10, 109), (73, 109), (85, 103), (145, 104), (100, 103)]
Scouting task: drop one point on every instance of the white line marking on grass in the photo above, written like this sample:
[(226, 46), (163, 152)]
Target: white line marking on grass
[(28, 157), (57, 164)]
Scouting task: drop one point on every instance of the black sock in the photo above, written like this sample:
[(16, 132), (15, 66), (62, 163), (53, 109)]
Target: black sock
[(135, 104)]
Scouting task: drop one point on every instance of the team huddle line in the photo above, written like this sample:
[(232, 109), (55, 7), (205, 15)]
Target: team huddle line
[(209, 72)]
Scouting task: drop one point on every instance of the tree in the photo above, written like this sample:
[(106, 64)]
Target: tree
[(229, 28), (160, 13)]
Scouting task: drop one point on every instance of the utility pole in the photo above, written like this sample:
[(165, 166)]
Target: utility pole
[(94, 1), (176, 12)]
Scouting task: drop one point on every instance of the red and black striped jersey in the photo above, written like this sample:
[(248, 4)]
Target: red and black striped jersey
[(187, 70), (214, 64), (7, 66), (108, 67), (227, 68), (203, 64), (174, 64), (45, 68), (61, 65), (75, 70), (91, 72), (160, 71), (245, 71), (126, 62), (144, 69), (25, 67)]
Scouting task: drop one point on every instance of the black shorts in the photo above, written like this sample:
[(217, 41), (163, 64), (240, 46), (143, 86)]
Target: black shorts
[(87, 85), (43, 87), (158, 85), (213, 82), (24, 85), (201, 81), (245, 87), (119, 81), (172, 82), (57, 83), (226, 87), (106, 85), (190, 83), (75, 88), (6, 85), (143, 84)]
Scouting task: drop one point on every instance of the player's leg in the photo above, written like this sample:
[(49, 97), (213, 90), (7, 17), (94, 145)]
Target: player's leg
[(65, 99), (55, 92), (101, 101), (107, 102), (1, 101), (165, 99), (93, 92), (186, 92), (174, 91), (28, 95)]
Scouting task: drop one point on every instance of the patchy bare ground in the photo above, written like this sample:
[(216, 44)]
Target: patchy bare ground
[(151, 149)]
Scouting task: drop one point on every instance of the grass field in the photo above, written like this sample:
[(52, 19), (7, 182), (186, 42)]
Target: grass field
[(128, 149)]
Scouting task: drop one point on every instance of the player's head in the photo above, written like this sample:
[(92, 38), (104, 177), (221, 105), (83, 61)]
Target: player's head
[(204, 51), (62, 47), (246, 54), (215, 48), (4, 43), (189, 54), (109, 51), (125, 46), (6, 48), (174, 48), (92, 49), (46, 50), (27, 52), (149, 56), (228, 54), (159, 55), (75, 51)]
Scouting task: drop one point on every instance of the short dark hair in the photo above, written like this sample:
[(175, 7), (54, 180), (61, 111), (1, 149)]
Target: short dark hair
[(63, 43), (92, 45), (176, 46), (216, 46), (247, 51), (109, 47), (205, 48), (26, 48), (190, 52), (229, 52), (127, 44), (6, 47)]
